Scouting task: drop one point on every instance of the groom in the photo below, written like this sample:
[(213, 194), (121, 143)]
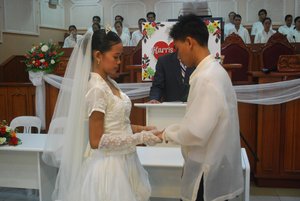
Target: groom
[(209, 131)]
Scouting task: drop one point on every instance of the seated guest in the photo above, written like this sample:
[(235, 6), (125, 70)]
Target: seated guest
[(137, 35), (96, 26), (230, 25), (151, 16), (171, 80), (121, 19), (240, 30), (258, 26), (72, 39), (294, 36), (124, 37), (96, 19), (264, 35), (288, 27)]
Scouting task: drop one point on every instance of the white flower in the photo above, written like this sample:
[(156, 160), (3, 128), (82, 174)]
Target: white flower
[(52, 61), (42, 60), (8, 129), (32, 49), (2, 140), (45, 48), (33, 62)]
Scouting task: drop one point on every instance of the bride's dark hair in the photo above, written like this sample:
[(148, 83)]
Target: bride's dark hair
[(103, 42)]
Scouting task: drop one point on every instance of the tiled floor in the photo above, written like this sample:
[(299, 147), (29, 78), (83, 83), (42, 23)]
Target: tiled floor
[(256, 194)]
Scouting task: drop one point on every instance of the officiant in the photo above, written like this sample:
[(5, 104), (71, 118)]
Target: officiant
[(171, 80)]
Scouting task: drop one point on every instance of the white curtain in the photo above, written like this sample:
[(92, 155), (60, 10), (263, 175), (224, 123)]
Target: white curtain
[(262, 94)]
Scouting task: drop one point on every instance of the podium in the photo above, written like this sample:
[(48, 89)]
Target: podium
[(163, 114)]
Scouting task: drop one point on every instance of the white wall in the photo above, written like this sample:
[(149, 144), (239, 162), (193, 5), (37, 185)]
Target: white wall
[(26, 16)]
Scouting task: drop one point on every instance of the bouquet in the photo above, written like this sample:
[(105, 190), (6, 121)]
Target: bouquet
[(43, 57), (8, 135)]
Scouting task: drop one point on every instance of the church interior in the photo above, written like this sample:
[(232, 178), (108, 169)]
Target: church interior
[(269, 127)]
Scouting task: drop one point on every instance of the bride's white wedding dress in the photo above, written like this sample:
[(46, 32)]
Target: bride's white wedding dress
[(113, 172)]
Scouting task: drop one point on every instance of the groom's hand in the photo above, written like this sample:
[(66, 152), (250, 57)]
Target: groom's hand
[(159, 134)]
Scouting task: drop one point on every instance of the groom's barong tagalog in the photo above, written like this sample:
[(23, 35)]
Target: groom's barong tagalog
[(209, 135)]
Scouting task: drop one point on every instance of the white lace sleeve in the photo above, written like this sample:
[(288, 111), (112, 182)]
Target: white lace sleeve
[(119, 142), (96, 100)]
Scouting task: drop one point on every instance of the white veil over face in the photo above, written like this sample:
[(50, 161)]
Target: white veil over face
[(68, 133)]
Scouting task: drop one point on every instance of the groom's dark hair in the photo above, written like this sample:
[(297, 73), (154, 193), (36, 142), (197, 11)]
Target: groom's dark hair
[(192, 26)]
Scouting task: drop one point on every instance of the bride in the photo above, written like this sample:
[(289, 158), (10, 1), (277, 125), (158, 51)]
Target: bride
[(90, 137)]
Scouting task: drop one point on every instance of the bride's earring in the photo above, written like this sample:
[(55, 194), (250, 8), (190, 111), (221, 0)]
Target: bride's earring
[(98, 62)]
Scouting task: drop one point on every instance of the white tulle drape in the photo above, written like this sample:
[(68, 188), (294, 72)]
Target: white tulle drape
[(262, 94)]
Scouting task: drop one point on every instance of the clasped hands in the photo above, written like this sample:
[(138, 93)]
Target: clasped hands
[(155, 132)]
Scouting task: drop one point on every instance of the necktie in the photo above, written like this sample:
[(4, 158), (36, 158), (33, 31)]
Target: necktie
[(183, 70)]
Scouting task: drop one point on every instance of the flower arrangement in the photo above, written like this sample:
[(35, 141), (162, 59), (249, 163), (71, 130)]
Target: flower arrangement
[(8, 135), (43, 57)]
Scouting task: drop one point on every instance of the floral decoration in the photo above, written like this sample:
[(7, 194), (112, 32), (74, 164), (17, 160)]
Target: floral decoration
[(213, 26), (42, 57), (148, 72), (149, 29), (8, 135)]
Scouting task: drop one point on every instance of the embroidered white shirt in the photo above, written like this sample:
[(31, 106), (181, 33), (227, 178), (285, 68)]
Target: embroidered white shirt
[(70, 41), (136, 37), (263, 37), (243, 33), (285, 30)]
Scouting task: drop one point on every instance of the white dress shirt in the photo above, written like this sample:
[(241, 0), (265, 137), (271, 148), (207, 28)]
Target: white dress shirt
[(257, 27), (294, 36), (125, 39), (243, 33), (70, 41), (285, 30), (124, 30), (263, 37), (136, 37), (209, 135), (227, 28)]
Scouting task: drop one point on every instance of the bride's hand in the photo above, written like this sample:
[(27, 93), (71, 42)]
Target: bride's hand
[(158, 133)]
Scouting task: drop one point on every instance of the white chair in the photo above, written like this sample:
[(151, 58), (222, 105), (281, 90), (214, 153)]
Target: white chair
[(27, 122)]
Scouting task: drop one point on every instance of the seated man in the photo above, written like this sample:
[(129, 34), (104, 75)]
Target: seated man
[(288, 27), (240, 30), (294, 36), (95, 19), (171, 80), (72, 39), (230, 25)]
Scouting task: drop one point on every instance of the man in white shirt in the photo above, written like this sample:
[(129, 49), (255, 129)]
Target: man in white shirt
[(294, 36), (125, 29), (209, 131), (138, 34), (230, 25), (95, 19), (288, 27), (151, 16), (240, 30), (258, 26), (264, 35), (72, 39)]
